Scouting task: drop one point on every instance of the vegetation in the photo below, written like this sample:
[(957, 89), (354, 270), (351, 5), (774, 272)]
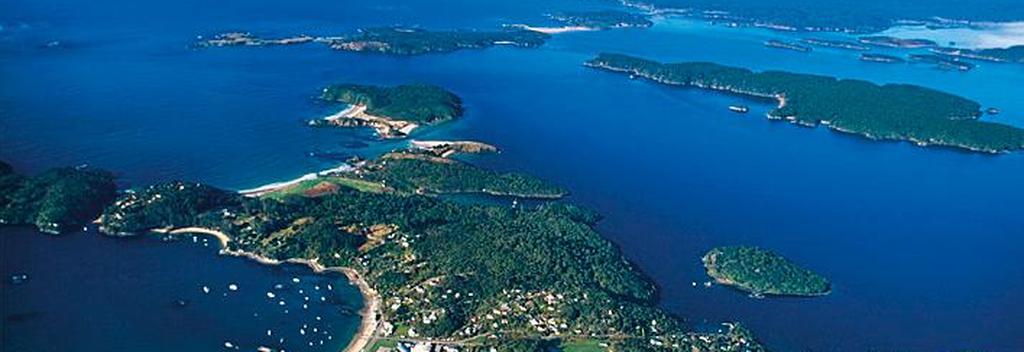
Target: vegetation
[(56, 200), (414, 41), (1012, 54), (603, 19), (419, 103), (762, 272), (412, 173), (171, 204), (522, 277), (884, 112)]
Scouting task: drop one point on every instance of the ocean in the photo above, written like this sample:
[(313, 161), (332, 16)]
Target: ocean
[(919, 243)]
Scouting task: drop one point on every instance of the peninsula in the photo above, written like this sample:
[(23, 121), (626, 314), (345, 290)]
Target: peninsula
[(434, 272), (762, 272), (899, 112), (56, 200), (394, 112)]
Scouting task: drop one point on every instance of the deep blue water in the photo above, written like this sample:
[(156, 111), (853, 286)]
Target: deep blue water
[(88, 292), (921, 244)]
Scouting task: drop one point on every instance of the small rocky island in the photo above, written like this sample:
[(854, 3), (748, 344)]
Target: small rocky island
[(393, 112), (836, 44), (881, 58), (893, 42), (762, 272), (900, 112), (942, 62), (778, 44)]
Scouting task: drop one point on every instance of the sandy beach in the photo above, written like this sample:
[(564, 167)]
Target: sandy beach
[(356, 115), (371, 301), (556, 30)]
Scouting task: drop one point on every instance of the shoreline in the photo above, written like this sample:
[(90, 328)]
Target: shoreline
[(555, 30), (276, 186), (371, 301), (712, 270)]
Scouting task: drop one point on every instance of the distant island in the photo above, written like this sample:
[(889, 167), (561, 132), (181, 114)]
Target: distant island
[(762, 272), (893, 42), (838, 44), (414, 41), (433, 271), (393, 40), (942, 61), (393, 112), (882, 58), (1013, 54), (773, 43), (55, 201), (883, 112), (835, 16), (248, 39)]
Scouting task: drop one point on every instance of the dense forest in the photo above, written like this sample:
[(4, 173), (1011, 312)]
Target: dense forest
[(56, 200), (1012, 54), (419, 103), (886, 112), (762, 272), (409, 173), (443, 269), (415, 41)]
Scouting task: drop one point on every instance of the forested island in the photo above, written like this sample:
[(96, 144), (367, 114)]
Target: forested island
[(883, 112), (1014, 54), (893, 42), (471, 276), (773, 43), (393, 112), (56, 200), (838, 44), (882, 58), (393, 40), (942, 61), (762, 272), (415, 41)]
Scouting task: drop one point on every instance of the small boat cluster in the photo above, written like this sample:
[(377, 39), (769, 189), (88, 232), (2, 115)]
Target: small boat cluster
[(297, 296)]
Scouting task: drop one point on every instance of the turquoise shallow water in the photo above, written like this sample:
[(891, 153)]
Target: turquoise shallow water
[(918, 242)]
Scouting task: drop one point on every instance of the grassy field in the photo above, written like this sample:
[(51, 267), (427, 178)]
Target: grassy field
[(302, 187), (583, 346)]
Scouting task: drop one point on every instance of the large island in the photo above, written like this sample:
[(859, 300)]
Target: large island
[(882, 112), (762, 272), (435, 272)]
